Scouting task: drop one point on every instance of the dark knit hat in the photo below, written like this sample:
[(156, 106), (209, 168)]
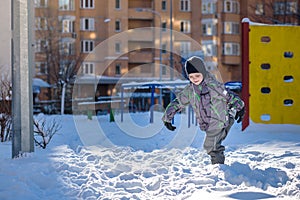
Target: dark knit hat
[(195, 65)]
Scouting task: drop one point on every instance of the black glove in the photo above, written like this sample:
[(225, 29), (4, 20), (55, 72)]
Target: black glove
[(170, 126), (240, 115)]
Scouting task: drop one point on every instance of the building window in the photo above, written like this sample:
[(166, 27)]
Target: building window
[(41, 23), (163, 70), (118, 69), (87, 46), (208, 7), (163, 48), (66, 5), (87, 24), (118, 47), (87, 3), (41, 3), (185, 5), (231, 28), (66, 48), (41, 45), (231, 6), (67, 26), (231, 49), (209, 48), (259, 9), (164, 26), (118, 4), (163, 5), (211, 66), (185, 26), (209, 27), (291, 8), (185, 47), (118, 26), (281, 8), (41, 68), (88, 68)]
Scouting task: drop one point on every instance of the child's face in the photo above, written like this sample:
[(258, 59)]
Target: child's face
[(196, 78)]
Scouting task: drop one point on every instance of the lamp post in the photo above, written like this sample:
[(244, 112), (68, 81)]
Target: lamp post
[(160, 56), (160, 35), (171, 41), (94, 36)]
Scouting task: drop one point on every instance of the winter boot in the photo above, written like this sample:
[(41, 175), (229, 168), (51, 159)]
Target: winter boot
[(217, 157)]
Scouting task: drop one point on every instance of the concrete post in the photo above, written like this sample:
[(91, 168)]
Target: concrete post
[(22, 62)]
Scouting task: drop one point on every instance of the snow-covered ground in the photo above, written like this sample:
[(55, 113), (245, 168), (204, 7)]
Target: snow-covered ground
[(98, 159)]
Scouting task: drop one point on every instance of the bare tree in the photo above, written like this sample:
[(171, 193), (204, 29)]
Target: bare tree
[(44, 131), (56, 47), (5, 105)]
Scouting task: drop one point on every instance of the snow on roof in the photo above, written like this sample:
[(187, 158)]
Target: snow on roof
[(92, 79), (233, 85), (247, 20), (128, 81), (177, 82), (37, 82)]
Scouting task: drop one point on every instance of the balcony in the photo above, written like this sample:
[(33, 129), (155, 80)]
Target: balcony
[(139, 23), (133, 14), (231, 60), (141, 34), (140, 4), (141, 57)]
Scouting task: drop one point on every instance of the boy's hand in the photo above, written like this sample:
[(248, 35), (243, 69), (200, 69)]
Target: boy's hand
[(170, 126), (240, 115)]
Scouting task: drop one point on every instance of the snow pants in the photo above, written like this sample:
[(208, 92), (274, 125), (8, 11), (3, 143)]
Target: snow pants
[(213, 143)]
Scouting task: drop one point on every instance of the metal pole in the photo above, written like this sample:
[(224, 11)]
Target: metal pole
[(171, 41), (160, 59), (160, 35), (22, 59), (152, 103), (122, 102), (189, 116), (160, 45), (245, 71)]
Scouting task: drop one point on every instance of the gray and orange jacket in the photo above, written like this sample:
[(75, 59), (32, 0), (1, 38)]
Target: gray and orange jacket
[(211, 102)]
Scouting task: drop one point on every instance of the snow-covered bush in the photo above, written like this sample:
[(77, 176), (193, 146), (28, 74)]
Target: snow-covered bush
[(44, 131), (5, 107)]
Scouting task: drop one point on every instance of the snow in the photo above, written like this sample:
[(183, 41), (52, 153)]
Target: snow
[(133, 159), (37, 82)]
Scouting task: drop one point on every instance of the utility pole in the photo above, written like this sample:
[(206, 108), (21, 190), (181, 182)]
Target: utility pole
[(160, 35), (22, 60), (171, 42)]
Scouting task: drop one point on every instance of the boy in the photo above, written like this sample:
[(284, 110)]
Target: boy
[(214, 106)]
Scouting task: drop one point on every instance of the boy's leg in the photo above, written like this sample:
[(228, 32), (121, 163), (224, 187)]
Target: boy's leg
[(213, 144), (213, 147)]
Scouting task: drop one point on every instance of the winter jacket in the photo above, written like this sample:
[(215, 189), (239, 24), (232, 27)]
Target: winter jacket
[(211, 102)]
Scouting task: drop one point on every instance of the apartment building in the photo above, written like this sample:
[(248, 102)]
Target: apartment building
[(110, 39), (5, 36), (272, 11)]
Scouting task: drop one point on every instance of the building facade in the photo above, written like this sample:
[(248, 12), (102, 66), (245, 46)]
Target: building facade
[(5, 37), (111, 39)]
